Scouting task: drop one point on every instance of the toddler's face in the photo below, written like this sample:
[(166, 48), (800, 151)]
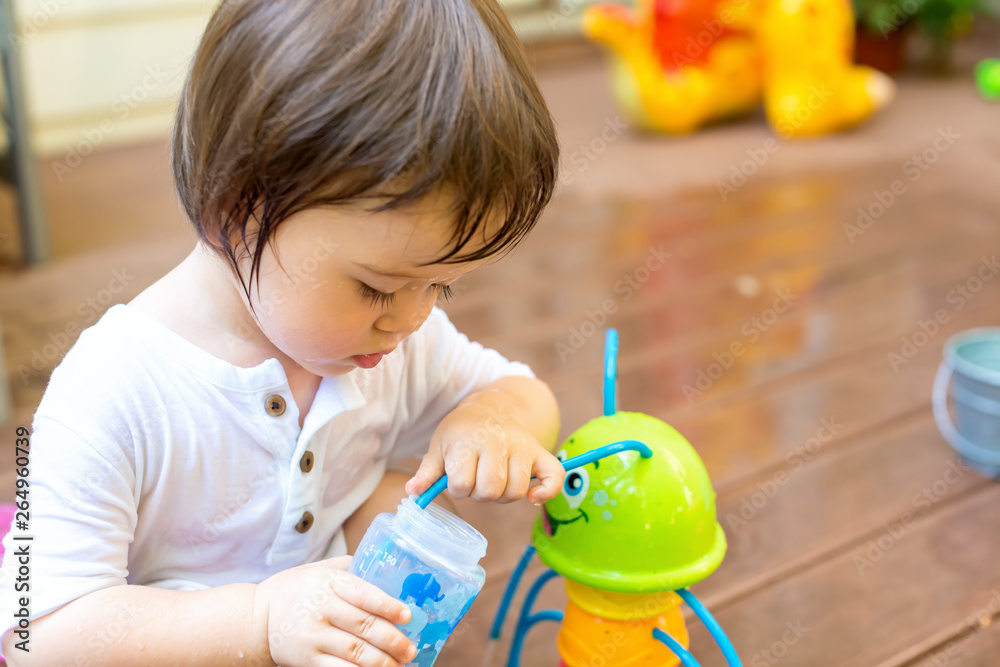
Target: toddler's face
[(354, 285)]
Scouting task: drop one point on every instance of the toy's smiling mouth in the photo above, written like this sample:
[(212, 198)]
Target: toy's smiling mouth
[(552, 523)]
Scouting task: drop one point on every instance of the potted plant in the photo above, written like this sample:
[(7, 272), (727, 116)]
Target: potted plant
[(941, 21), (882, 26)]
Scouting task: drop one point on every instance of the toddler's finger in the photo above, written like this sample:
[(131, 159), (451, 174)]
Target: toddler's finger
[(461, 466), (518, 480), (491, 475), (365, 635), (550, 473), (370, 598), (430, 470), (354, 650)]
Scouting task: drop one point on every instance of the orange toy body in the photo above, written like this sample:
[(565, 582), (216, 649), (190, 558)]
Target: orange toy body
[(618, 628)]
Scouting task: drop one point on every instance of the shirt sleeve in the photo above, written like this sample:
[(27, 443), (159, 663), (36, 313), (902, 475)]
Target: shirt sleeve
[(443, 367), (82, 516)]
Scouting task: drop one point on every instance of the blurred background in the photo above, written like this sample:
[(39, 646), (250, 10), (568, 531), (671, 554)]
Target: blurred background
[(784, 242)]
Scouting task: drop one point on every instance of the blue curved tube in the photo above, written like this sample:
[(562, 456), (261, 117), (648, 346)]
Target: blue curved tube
[(544, 615), (678, 649), (527, 620), (713, 627), (608, 450), (428, 496), (610, 371), (508, 595)]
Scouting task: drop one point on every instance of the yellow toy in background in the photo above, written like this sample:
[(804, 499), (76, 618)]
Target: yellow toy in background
[(679, 64)]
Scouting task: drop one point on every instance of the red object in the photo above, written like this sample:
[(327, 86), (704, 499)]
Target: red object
[(685, 31)]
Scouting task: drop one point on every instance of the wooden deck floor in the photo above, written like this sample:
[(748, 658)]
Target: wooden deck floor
[(847, 515)]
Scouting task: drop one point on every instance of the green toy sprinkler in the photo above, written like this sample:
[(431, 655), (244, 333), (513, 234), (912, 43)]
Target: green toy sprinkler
[(634, 526)]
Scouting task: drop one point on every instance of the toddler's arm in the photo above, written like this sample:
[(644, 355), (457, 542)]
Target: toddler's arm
[(289, 619)]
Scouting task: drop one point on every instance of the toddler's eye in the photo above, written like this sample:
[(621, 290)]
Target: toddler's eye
[(446, 292), (375, 297)]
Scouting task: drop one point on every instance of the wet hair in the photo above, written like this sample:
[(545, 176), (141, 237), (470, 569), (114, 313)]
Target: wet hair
[(295, 104)]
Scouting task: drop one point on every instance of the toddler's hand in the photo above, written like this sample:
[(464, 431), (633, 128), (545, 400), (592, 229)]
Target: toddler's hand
[(488, 455), (320, 609)]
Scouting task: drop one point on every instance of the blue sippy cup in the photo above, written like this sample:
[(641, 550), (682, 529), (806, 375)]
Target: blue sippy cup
[(429, 559)]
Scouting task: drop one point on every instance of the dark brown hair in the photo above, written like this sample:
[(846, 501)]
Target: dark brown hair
[(294, 104)]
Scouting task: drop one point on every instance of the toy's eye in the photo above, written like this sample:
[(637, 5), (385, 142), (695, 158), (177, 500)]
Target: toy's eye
[(575, 487), (561, 455)]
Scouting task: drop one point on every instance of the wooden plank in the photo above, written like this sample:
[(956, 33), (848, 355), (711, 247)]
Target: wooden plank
[(872, 601), (974, 642), (865, 488)]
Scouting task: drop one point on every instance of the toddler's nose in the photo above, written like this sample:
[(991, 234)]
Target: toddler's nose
[(406, 315)]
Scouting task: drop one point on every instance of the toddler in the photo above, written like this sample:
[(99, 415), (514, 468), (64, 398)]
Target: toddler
[(206, 456)]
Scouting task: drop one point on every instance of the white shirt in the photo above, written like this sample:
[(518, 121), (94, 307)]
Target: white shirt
[(153, 462)]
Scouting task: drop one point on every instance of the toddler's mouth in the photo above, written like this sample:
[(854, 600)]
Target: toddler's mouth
[(369, 360)]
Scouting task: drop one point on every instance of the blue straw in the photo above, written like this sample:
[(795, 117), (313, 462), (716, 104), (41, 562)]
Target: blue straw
[(713, 627), (610, 371), (678, 649), (508, 595), (527, 619)]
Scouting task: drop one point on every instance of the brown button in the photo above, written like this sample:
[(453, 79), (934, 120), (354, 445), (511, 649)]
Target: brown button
[(306, 462), (275, 405), (305, 523)]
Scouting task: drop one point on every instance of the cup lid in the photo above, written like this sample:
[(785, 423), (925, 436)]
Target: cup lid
[(440, 532)]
